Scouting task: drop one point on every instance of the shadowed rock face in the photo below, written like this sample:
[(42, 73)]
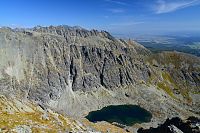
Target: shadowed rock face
[(175, 125), (51, 65)]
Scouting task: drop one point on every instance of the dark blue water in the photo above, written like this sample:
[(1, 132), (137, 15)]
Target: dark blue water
[(123, 114)]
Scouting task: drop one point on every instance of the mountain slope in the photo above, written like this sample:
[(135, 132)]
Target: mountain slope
[(73, 71)]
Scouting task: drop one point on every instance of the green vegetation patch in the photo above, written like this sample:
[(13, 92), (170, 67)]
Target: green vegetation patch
[(186, 95), (166, 88), (166, 76)]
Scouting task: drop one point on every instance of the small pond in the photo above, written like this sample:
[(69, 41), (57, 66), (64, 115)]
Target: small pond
[(122, 114)]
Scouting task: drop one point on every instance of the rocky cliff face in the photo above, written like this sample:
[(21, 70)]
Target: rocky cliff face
[(43, 62), (73, 71), (98, 59)]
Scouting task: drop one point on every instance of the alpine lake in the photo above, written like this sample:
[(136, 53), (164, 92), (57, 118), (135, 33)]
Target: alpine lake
[(127, 115)]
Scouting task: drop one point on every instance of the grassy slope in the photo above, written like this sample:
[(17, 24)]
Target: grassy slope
[(168, 79)]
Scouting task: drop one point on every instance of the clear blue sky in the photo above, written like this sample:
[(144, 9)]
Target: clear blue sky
[(116, 16)]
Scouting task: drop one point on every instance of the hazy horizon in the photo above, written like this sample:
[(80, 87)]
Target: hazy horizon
[(119, 17)]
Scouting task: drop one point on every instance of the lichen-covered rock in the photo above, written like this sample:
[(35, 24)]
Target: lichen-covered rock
[(23, 129)]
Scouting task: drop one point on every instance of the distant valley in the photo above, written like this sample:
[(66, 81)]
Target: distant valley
[(182, 43)]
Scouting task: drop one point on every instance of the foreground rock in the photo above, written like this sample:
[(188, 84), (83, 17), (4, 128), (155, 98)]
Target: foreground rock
[(176, 125), (26, 117), (23, 116)]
